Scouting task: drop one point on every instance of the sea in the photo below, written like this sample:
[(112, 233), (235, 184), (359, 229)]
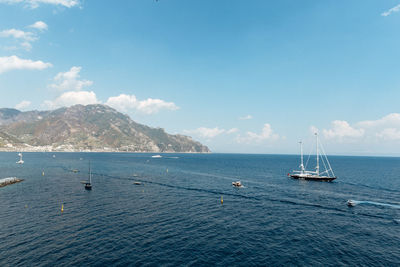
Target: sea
[(182, 210)]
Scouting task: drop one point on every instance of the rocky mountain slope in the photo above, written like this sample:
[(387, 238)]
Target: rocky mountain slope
[(86, 128)]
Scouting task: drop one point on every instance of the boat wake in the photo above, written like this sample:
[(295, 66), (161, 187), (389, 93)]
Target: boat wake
[(358, 202), (143, 179)]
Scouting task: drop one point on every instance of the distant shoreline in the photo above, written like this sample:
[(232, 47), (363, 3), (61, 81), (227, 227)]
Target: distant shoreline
[(98, 151)]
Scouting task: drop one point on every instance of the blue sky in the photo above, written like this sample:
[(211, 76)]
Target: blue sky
[(239, 76)]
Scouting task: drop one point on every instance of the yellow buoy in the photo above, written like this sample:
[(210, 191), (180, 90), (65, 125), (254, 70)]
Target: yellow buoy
[(42, 173), (167, 170), (62, 207), (222, 200)]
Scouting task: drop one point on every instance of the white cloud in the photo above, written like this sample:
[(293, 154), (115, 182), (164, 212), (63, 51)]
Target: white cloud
[(127, 103), (266, 134), (23, 105), (206, 132), (370, 131), (72, 98), (40, 25), (210, 133), (392, 10), (233, 130), (248, 117), (342, 129), (26, 45), (16, 63), (392, 119), (36, 3), (24, 38), (387, 127), (18, 34), (389, 134), (69, 81)]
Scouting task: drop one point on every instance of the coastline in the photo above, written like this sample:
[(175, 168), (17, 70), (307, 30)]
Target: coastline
[(41, 149)]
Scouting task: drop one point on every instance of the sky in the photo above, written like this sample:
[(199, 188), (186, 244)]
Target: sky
[(239, 76)]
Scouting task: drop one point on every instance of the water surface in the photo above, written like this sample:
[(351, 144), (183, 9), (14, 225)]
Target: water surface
[(175, 216)]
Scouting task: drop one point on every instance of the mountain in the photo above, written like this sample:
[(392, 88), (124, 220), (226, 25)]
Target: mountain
[(86, 128)]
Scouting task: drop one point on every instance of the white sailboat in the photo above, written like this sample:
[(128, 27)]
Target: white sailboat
[(20, 161), (88, 185), (327, 175)]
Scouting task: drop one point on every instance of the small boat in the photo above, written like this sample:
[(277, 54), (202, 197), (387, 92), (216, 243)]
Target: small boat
[(303, 174), (20, 161), (237, 184), (351, 203), (156, 156), (137, 183), (88, 184), (75, 171)]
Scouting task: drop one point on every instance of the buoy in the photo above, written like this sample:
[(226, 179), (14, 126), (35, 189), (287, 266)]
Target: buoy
[(222, 200), (42, 173), (62, 207), (26, 206), (167, 170)]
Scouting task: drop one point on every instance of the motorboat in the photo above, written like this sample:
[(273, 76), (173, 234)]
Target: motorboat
[(237, 184), (351, 203)]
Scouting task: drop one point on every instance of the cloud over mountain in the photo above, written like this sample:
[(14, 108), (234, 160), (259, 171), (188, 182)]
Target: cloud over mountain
[(71, 98), (70, 80), (127, 103)]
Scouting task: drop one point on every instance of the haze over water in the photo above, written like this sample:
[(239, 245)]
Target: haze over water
[(175, 216)]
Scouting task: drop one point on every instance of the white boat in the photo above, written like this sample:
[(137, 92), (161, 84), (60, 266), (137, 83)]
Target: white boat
[(20, 161), (156, 156), (237, 184), (351, 203), (327, 175)]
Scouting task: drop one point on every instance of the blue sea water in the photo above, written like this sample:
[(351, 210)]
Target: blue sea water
[(175, 217)]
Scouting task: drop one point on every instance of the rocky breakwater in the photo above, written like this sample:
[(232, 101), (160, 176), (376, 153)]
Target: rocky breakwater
[(9, 180)]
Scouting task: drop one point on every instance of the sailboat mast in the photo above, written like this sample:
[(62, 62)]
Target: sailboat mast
[(90, 174), (301, 153), (317, 168)]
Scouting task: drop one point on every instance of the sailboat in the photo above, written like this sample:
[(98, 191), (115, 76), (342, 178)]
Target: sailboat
[(88, 184), (20, 161), (327, 175)]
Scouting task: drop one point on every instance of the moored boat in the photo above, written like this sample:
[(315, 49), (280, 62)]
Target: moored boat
[(88, 184), (20, 161), (325, 176)]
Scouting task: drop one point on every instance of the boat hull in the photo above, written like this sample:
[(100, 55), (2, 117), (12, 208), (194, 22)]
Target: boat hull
[(313, 178)]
